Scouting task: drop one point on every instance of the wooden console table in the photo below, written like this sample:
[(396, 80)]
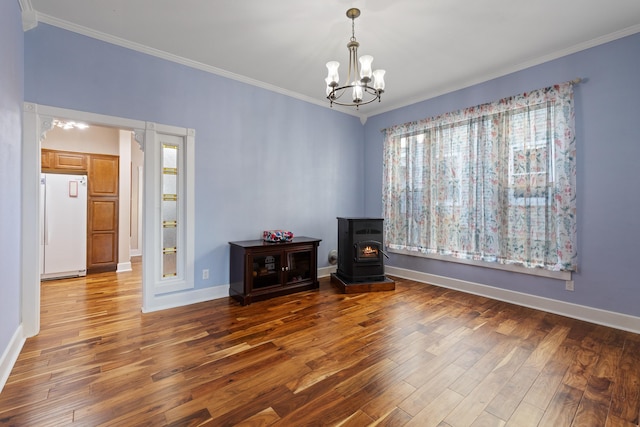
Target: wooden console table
[(259, 270)]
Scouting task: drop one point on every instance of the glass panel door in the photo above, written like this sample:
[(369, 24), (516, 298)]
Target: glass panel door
[(169, 210), (299, 264), (266, 270)]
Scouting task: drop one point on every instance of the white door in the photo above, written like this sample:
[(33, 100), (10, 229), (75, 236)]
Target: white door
[(64, 225)]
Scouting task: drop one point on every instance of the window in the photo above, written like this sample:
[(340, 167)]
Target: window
[(492, 183)]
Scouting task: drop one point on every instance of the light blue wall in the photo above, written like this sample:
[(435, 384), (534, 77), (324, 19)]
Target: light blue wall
[(263, 160), (607, 117), (11, 96)]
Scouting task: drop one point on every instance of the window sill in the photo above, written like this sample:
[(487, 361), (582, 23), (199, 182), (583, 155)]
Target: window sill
[(558, 275)]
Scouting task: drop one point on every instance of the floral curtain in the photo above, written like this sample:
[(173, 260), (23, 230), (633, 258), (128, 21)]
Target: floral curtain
[(495, 182)]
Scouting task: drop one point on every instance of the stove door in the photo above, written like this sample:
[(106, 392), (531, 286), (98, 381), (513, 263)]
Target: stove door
[(367, 251)]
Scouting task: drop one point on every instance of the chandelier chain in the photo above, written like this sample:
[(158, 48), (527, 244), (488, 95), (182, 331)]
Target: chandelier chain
[(353, 29)]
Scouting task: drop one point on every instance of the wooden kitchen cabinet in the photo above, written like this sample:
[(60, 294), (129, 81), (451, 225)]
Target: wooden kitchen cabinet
[(102, 230), (62, 161), (259, 270)]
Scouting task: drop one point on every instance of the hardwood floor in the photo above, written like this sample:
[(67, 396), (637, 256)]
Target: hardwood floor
[(416, 356)]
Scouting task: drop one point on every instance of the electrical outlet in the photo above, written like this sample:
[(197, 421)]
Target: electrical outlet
[(205, 274), (568, 285)]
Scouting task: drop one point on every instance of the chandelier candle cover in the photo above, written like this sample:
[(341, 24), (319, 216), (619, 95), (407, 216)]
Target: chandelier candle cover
[(361, 90)]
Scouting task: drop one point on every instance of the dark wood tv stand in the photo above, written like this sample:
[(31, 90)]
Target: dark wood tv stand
[(259, 270)]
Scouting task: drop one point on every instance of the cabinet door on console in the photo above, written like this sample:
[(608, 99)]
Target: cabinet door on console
[(299, 265), (265, 270)]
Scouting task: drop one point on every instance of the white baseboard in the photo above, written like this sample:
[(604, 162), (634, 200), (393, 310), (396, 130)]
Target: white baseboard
[(135, 252), (123, 266), (10, 355), (612, 319), (326, 271), (162, 302)]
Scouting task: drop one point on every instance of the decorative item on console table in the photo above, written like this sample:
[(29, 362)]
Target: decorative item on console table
[(277, 236), (259, 269)]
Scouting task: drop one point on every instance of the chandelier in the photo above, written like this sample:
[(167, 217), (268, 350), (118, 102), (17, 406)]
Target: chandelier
[(363, 84)]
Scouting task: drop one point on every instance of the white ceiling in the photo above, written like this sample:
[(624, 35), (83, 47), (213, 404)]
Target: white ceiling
[(428, 47)]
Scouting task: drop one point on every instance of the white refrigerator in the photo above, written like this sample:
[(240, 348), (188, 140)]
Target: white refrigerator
[(63, 226)]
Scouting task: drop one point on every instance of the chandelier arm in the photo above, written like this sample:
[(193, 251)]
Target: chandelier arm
[(338, 92), (350, 66)]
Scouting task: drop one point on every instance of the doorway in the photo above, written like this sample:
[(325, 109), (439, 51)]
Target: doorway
[(113, 160), (158, 291)]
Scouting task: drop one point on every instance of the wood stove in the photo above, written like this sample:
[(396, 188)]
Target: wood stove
[(360, 249)]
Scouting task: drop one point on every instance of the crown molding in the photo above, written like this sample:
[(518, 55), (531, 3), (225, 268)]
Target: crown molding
[(31, 19), (29, 16), (79, 29), (512, 69), (25, 5)]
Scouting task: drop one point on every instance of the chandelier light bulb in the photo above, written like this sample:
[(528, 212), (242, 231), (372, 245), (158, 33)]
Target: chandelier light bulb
[(357, 92), (378, 76), (365, 67), (333, 77)]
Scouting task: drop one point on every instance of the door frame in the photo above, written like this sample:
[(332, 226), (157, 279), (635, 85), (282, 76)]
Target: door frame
[(37, 120)]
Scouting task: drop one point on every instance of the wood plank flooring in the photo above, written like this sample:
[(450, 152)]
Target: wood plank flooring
[(417, 356)]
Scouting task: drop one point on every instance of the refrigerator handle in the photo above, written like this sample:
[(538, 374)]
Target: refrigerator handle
[(45, 228)]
